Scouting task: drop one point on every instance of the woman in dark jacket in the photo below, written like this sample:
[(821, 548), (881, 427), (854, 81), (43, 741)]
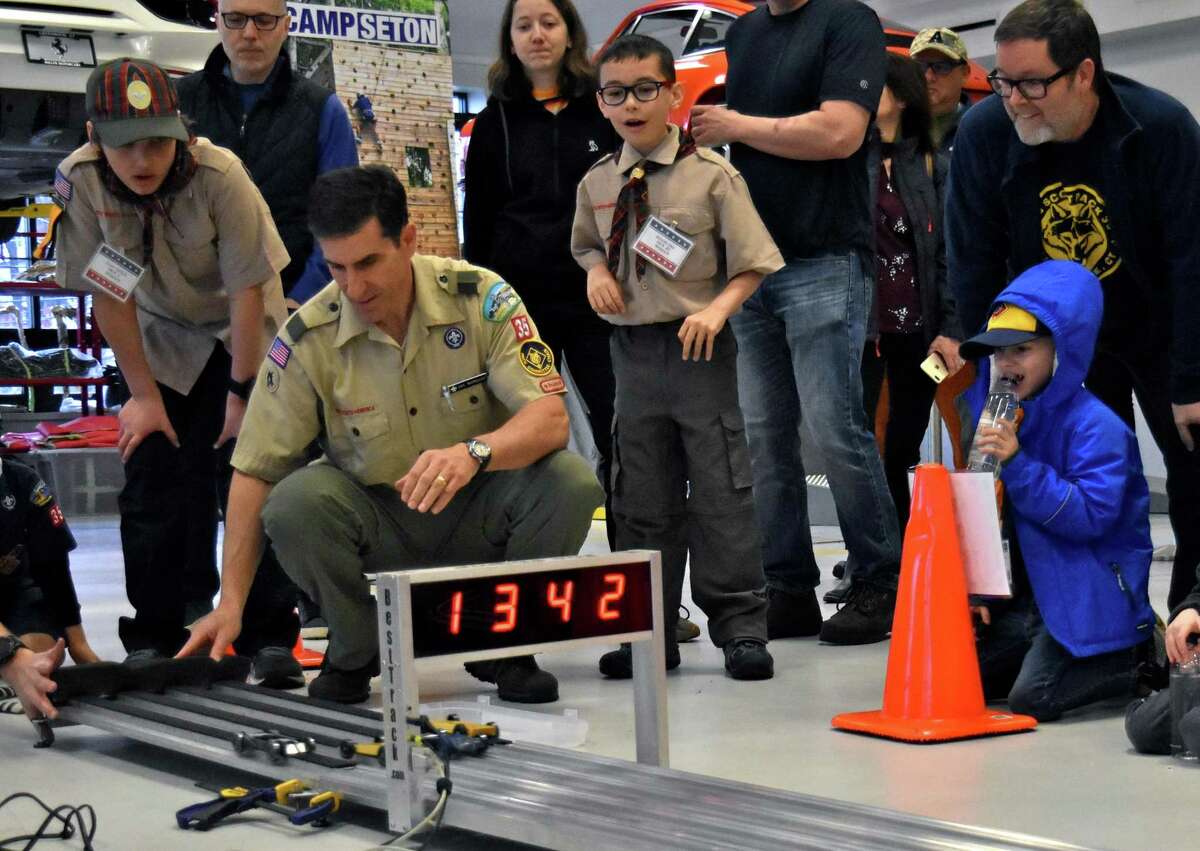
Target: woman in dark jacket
[(914, 314), (539, 133)]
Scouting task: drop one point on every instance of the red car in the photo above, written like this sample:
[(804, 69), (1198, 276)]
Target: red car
[(695, 33)]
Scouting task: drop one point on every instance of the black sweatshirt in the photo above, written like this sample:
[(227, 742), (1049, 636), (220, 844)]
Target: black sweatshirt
[(524, 164)]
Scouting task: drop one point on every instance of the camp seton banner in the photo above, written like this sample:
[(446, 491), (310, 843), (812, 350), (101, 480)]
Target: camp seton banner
[(400, 28)]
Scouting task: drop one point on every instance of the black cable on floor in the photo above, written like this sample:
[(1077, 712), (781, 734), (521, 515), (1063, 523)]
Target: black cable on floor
[(64, 814)]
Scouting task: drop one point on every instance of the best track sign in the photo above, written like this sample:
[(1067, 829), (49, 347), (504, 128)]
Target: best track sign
[(404, 29)]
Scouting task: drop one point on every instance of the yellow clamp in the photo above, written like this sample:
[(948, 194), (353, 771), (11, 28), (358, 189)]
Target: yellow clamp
[(288, 787), (235, 792), (322, 797)]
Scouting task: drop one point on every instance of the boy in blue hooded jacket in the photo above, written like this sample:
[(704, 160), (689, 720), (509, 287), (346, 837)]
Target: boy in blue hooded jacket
[(1076, 506)]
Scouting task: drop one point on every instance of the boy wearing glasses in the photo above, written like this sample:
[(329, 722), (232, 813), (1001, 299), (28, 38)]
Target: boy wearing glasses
[(943, 57), (1069, 162), (672, 246)]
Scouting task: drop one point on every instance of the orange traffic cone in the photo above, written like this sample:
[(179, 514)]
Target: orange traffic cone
[(308, 659), (933, 691)]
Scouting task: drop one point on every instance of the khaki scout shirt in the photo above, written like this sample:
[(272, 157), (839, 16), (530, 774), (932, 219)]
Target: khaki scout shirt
[(219, 240), (471, 358), (701, 195)]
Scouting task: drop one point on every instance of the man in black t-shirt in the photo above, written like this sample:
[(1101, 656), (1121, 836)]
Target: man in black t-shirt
[(805, 77), (1068, 162)]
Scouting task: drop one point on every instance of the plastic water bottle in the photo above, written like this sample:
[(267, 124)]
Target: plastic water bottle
[(1001, 404)]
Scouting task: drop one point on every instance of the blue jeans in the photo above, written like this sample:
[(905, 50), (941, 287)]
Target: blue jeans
[(1018, 657), (800, 342)]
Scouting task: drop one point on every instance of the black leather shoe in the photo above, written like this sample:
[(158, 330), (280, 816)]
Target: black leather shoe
[(792, 615), (838, 593), (748, 659), (278, 668), (865, 618), (342, 686), (518, 680), (618, 664)]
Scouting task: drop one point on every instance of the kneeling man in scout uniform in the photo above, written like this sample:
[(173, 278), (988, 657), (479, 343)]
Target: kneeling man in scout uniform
[(178, 245), (439, 412)]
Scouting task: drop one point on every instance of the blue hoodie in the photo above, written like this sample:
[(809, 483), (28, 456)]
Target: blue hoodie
[(1081, 507)]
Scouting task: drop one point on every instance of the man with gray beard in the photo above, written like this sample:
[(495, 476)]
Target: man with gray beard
[(1068, 162)]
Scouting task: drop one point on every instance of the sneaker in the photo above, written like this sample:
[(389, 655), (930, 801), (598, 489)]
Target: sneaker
[(685, 630), (838, 593), (865, 618), (277, 668), (748, 659), (9, 705), (518, 680), (792, 615), (342, 686), (618, 664)]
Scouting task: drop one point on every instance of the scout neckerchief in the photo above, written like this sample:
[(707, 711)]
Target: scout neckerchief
[(635, 196), (181, 172)]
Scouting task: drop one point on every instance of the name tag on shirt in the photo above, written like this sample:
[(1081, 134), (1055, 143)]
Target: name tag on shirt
[(663, 245), (115, 273)]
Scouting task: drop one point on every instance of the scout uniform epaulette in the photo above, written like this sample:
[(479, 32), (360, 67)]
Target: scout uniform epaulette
[(709, 155), (459, 281), (601, 161), (321, 309)]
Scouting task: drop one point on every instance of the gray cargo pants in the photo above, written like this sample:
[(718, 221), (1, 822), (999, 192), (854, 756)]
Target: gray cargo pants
[(328, 529)]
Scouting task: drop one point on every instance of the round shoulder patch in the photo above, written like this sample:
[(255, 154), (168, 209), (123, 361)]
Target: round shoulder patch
[(536, 358), (500, 302), (454, 337), (272, 379)]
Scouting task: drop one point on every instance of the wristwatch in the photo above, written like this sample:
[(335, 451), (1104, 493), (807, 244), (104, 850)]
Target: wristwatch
[(9, 645), (241, 389), (480, 451)]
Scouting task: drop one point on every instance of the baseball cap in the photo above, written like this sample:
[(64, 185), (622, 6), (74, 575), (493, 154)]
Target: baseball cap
[(1007, 326), (941, 39), (129, 100)]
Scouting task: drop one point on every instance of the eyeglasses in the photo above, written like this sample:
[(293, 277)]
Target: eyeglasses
[(941, 67), (262, 23), (1031, 88), (645, 91)]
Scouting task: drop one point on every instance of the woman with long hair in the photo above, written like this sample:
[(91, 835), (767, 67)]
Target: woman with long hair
[(533, 142), (914, 314), (539, 133)]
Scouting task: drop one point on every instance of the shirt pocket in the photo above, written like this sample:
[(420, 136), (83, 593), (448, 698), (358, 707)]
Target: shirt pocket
[(193, 246), (355, 431), (697, 224), (466, 401)]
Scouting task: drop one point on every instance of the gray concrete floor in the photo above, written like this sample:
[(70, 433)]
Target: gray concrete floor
[(1074, 780)]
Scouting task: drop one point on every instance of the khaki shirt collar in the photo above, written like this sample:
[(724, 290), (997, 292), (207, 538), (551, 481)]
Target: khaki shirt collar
[(434, 306), (663, 154)]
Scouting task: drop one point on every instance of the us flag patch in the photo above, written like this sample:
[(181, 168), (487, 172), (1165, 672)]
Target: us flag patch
[(62, 187), (280, 353)]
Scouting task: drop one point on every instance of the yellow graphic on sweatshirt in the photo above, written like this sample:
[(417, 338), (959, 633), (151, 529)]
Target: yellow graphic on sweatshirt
[(1075, 226)]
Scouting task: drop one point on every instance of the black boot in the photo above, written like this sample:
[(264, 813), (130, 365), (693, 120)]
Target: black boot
[(618, 664), (792, 615), (343, 686), (865, 618), (518, 680)]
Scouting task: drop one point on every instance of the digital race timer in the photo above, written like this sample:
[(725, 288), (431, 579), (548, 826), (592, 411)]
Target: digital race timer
[(461, 616), (439, 616)]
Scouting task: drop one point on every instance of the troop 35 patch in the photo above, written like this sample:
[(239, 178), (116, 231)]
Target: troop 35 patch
[(522, 328), (56, 516), (537, 359), (454, 337), (552, 385), (500, 302), (40, 495), (280, 353)]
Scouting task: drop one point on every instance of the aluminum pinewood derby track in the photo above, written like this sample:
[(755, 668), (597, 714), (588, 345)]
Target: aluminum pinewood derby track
[(544, 796)]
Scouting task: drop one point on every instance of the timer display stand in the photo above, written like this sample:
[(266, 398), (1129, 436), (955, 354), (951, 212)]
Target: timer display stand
[(436, 617)]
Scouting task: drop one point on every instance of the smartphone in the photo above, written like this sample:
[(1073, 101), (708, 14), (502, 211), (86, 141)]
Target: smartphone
[(935, 368)]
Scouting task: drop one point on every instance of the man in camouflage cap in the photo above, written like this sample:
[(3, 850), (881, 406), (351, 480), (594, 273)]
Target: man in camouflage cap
[(943, 56)]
